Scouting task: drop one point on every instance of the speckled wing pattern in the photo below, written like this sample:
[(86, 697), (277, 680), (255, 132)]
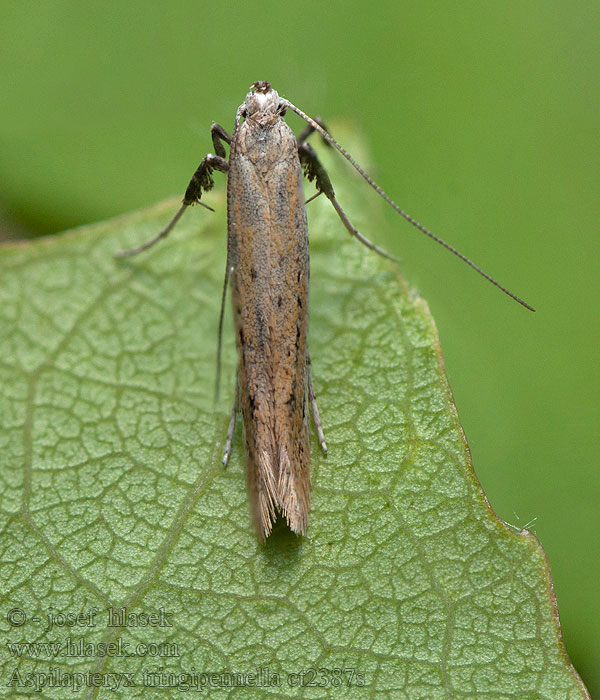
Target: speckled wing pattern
[(268, 252)]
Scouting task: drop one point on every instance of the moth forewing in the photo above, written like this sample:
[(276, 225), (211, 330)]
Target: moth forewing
[(268, 255)]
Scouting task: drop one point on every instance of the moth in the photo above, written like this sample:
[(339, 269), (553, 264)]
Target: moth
[(268, 269)]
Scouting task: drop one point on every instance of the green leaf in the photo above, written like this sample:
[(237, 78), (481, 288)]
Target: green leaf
[(113, 495)]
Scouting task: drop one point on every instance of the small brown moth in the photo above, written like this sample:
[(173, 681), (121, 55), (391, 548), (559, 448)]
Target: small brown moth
[(267, 262)]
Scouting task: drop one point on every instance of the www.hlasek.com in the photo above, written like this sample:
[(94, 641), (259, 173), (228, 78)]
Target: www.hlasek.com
[(79, 648)]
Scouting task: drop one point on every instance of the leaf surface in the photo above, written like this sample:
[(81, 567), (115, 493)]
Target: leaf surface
[(113, 495)]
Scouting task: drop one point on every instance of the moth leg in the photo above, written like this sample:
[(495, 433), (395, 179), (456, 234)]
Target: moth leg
[(314, 409), (228, 271), (219, 134), (232, 421), (307, 131), (314, 170), (201, 180)]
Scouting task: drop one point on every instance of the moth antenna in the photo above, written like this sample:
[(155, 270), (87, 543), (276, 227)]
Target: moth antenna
[(317, 127)]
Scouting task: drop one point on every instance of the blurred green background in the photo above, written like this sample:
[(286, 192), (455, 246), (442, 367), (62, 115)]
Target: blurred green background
[(482, 120)]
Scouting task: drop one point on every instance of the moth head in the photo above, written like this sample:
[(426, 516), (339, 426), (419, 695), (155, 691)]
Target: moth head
[(261, 99)]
